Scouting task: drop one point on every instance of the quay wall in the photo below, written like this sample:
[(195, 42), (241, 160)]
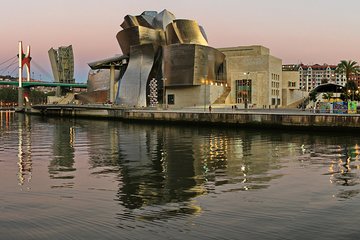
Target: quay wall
[(253, 119), (238, 118)]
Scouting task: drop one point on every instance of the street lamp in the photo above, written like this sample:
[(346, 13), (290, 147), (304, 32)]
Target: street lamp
[(205, 83), (349, 93)]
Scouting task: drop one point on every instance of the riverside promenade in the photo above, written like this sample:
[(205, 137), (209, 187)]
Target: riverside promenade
[(224, 116)]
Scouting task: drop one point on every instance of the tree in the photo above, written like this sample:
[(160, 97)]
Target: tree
[(348, 68), (313, 96), (8, 95), (327, 96), (37, 97)]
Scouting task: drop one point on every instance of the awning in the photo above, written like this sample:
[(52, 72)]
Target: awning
[(116, 61)]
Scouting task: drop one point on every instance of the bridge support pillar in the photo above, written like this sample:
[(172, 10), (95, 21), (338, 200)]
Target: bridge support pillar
[(112, 84), (58, 91), (20, 98)]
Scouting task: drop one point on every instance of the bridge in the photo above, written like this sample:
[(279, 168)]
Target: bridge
[(44, 84), (23, 60)]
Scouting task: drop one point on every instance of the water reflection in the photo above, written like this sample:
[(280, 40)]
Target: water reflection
[(345, 171), (342, 161), (5, 119), (161, 170), (24, 151), (62, 165)]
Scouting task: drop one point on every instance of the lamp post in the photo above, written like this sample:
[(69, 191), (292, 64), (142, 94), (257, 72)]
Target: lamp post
[(205, 83), (349, 94), (164, 92)]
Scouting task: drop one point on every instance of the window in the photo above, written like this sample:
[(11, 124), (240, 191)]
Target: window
[(243, 91), (273, 101), (171, 99)]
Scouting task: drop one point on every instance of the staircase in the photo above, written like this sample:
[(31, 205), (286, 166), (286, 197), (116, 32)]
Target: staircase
[(222, 98), (299, 103), (68, 98)]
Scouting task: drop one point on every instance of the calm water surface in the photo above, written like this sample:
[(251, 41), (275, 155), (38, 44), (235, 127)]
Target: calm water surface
[(84, 179)]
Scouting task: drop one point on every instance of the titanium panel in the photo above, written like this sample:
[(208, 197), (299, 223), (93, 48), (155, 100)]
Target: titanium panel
[(190, 64), (186, 32), (137, 36), (145, 21), (132, 87), (179, 64), (129, 21), (99, 79), (149, 19), (203, 33), (209, 64), (163, 19)]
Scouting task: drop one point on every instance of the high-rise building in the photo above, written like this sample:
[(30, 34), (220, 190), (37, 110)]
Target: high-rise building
[(62, 64)]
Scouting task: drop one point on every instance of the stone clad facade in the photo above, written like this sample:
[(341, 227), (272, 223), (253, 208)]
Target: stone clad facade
[(254, 75)]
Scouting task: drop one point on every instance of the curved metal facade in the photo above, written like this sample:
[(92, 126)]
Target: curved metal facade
[(190, 64), (139, 35), (185, 32), (133, 85), (160, 46)]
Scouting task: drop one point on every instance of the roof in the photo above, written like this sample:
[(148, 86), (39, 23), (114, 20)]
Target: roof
[(318, 66), (116, 61)]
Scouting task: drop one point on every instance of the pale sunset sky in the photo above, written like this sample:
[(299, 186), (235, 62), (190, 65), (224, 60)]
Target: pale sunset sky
[(307, 31)]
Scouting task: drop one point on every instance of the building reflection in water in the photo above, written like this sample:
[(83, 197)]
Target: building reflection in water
[(157, 177), (61, 167), (160, 174)]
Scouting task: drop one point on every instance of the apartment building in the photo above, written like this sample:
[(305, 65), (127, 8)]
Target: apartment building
[(311, 76)]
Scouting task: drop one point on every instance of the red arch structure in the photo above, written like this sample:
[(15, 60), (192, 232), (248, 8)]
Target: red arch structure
[(24, 60)]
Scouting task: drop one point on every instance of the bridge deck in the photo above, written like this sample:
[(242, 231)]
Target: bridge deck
[(45, 84)]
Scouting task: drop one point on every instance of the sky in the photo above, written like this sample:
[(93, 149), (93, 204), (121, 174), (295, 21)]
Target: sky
[(307, 31)]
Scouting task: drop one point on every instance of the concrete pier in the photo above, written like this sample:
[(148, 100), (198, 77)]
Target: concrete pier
[(274, 118)]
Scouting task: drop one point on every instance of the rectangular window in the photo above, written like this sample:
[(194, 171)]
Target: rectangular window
[(171, 99), (243, 91)]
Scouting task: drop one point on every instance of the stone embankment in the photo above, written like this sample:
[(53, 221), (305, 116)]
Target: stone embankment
[(273, 118)]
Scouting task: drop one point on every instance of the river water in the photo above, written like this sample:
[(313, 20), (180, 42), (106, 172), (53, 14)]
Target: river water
[(90, 179)]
